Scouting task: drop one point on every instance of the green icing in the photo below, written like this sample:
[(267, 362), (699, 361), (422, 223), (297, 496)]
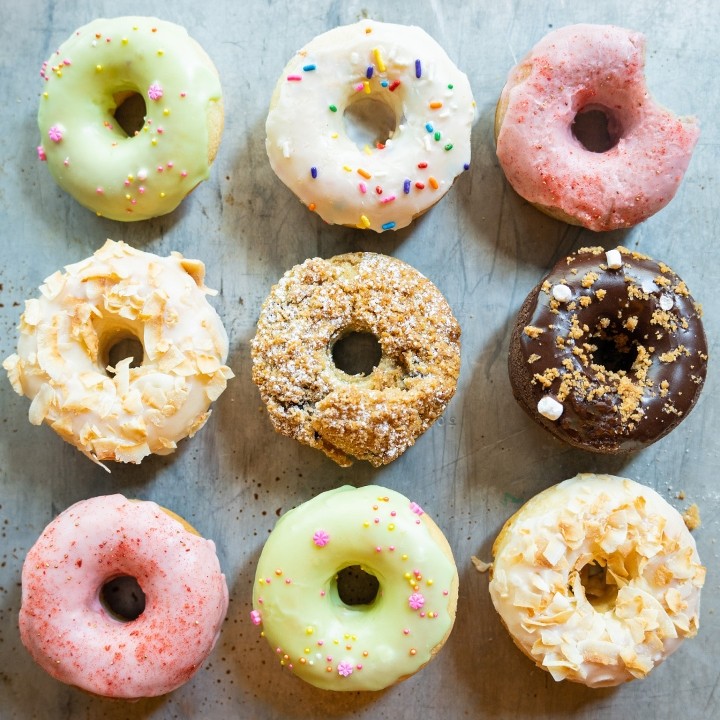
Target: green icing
[(88, 153), (363, 647)]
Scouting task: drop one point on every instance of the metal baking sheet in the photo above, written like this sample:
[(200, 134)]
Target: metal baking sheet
[(482, 245)]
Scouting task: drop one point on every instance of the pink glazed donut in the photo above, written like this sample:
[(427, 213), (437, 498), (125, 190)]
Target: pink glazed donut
[(570, 72), (73, 635)]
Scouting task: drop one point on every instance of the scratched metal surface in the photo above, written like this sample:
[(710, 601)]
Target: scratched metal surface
[(483, 246)]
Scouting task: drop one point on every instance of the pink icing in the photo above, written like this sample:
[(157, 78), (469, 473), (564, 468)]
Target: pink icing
[(570, 69), (71, 635)]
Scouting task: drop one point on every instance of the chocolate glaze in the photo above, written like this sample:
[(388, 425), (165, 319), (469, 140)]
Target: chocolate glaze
[(623, 383)]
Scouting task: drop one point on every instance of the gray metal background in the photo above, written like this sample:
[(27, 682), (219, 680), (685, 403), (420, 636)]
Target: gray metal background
[(482, 245)]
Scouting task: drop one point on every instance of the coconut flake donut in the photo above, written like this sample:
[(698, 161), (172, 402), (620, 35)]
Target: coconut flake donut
[(66, 335), (88, 152), (373, 417), (375, 69), (608, 352), (597, 580), (75, 637), (574, 70), (336, 642)]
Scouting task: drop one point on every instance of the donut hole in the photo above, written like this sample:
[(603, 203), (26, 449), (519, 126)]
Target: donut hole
[(130, 111), (356, 352), (121, 347), (369, 120), (123, 598), (597, 128), (356, 587), (614, 349), (600, 590)]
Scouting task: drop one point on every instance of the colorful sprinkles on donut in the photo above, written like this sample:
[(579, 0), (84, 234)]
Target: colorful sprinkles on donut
[(353, 641), (371, 69)]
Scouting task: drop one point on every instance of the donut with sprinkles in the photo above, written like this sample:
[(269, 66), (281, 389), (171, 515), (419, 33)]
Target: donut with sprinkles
[(403, 164)]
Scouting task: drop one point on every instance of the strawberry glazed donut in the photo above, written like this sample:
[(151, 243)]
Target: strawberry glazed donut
[(413, 109), (72, 623), (620, 176), (127, 409)]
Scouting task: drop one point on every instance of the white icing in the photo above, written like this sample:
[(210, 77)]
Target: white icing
[(303, 132)]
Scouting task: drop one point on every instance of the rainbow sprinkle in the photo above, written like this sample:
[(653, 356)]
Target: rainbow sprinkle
[(309, 68), (418, 69), (406, 186), (379, 60), (313, 172), (294, 78), (369, 72), (388, 225)]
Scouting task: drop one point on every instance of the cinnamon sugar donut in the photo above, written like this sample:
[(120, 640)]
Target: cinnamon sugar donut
[(572, 71), (78, 639), (608, 351), (373, 417), (122, 413), (597, 580)]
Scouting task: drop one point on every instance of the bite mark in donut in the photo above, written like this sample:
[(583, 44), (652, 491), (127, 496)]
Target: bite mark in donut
[(373, 417), (624, 355), (596, 68)]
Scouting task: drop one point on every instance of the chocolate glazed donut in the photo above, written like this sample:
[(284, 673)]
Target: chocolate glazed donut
[(608, 352)]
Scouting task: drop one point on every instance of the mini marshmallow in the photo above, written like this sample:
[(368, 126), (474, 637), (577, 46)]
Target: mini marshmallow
[(550, 408), (562, 293), (614, 259)]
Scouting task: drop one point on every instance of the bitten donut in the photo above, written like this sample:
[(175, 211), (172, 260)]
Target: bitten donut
[(608, 352), (121, 413), (597, 580), (384, 74), (138, 174), (637, 168), (373, 417), (339, 643), (76, 637)]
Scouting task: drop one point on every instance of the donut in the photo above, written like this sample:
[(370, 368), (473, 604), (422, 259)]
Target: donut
[(337, 641), (399, 86), (121, 413), (78, 639), (373, 417), (597, 580), (628, 173), (148, 170), (608, 351)]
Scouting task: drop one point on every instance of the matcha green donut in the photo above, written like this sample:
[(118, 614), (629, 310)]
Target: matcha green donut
[(339, 646), (90, 155)]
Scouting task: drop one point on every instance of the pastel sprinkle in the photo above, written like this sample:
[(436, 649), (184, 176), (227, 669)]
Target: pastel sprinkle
[(416, 601), (333, 108), (388, 199), (406, 186), (449, 146), (414, 507), (313, 171), (41, 153), (310, 67), (255, 617), (363, 187), (294, 78), (155, 92), (364, 173), (345, 669), (433, 183), (429, 127), (347, 168), (379, 60), (388, 226), (369, 72), (435, 105), (55, 133), (321, 538), (418, 69)]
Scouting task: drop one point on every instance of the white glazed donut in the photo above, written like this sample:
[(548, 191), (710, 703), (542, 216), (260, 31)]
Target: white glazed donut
[(66, 335), (548, 586), (386, 186), (74, 637), (576, 69)]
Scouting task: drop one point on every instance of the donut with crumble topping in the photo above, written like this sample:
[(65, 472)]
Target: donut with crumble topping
[(374, 416), (597, 580), (608, 352)]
